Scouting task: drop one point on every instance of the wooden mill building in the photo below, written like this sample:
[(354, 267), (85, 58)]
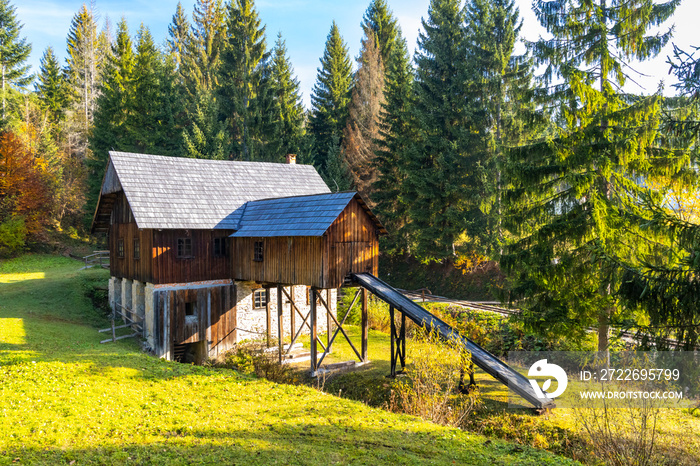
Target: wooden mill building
[(202, 251)]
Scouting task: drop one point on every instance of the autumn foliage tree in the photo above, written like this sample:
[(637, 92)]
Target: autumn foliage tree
[(25, 197)]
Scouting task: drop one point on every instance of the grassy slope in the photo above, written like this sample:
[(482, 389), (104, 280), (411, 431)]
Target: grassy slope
[(64, 398)]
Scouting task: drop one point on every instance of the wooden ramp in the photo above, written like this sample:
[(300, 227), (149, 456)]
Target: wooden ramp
[(482, 358)]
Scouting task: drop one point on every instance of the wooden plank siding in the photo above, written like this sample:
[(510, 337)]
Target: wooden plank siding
[(123, 227), (289, 260), (350, 245)]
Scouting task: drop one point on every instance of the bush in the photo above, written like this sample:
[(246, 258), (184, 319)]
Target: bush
[(255, 358), (13, 234), (430, 389)]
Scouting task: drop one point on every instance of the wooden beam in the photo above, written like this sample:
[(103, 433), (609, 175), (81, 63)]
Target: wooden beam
[(280, 323), (312, 338), (365, 325), (292, 315), (392, 331), (329, 324), (340, 326), (268, 308)]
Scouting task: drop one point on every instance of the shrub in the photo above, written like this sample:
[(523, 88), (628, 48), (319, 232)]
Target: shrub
[(430, 388), (255, 358), (13, 233)]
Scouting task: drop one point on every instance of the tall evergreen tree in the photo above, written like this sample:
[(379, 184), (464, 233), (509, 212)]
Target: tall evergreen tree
[(114, 111), (51, 87), (203, 49), (331, 95), (504, 91), (83, 66), (206, 137), (569, 187), (444, 179), (13, 52), (178, 35), (287, 119), (241, 90), (397, 131), (362, 131), (380, 19)]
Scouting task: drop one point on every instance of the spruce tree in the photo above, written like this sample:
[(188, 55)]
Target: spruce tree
[(114, 112), (331, 96), (83, 68), (397, 132), (203, 48), (504, 92), (178, 35), (241, 90), (13, 53), (336, 174), (444, 179), (362, 134), (51, 87), (380, 19), (568, 189), (287, 119)]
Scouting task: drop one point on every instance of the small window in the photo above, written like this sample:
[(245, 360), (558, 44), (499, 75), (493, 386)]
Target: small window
[(120, 249), (219, 247), (259, 299), (184, 247), (191, 309), (308, 295), (258, 251), (137, 249)]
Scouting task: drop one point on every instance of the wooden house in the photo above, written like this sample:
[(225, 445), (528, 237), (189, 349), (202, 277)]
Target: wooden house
[(197, 246)]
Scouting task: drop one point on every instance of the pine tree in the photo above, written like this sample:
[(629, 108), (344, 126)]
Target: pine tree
[(83, 66), (287, 117), (397, 132), (361, 134), (567, 190), (444, 179), (13, 53), (243, 63), (51, 87), (115, 107), (336, 172), (206, 136), (179, 35), (331, 95)]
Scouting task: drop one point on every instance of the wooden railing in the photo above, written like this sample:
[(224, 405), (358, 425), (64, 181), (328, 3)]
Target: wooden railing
[(97, 258)]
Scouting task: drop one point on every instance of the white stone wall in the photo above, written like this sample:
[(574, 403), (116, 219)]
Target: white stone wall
[(252, 323), (149, 321)]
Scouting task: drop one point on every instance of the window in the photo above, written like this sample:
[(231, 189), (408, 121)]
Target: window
[(219, 247), (258, 251), (120, 249), (190, 309), (137, 249), (184, 247), (308, 295), (259, 299)]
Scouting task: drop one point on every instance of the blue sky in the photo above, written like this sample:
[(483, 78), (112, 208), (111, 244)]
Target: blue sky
[(304, 25)]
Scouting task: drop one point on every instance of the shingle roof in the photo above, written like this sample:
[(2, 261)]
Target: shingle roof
[(292, 216), (182, 193)]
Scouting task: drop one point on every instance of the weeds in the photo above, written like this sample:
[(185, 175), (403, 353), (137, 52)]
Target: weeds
[(255, 358), (430, 389)]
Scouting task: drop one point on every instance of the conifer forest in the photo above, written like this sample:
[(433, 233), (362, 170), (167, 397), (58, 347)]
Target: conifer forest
[(474, 149)]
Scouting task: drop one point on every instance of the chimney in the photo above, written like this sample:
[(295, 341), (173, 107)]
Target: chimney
[(291, 159)]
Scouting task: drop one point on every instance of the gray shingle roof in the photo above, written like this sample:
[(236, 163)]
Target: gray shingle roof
[(174, 192), (292, 216)]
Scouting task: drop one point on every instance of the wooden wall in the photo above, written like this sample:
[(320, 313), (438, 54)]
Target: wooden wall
[(168, 268), (351, 245), (214, 321), (290, 260), (123, 226)]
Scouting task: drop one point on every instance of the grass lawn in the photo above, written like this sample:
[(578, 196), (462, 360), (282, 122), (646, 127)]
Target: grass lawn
[(677, 430), (67, 399)]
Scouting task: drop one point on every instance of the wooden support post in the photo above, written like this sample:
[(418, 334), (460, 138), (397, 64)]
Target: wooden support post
[(292, 315), (403, 341), (313, 336), (280, 323), (392, 331), (365, 325), (268, 308), (329, 324)]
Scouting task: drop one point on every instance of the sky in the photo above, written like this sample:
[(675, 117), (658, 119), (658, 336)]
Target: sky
[(304, 25)]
